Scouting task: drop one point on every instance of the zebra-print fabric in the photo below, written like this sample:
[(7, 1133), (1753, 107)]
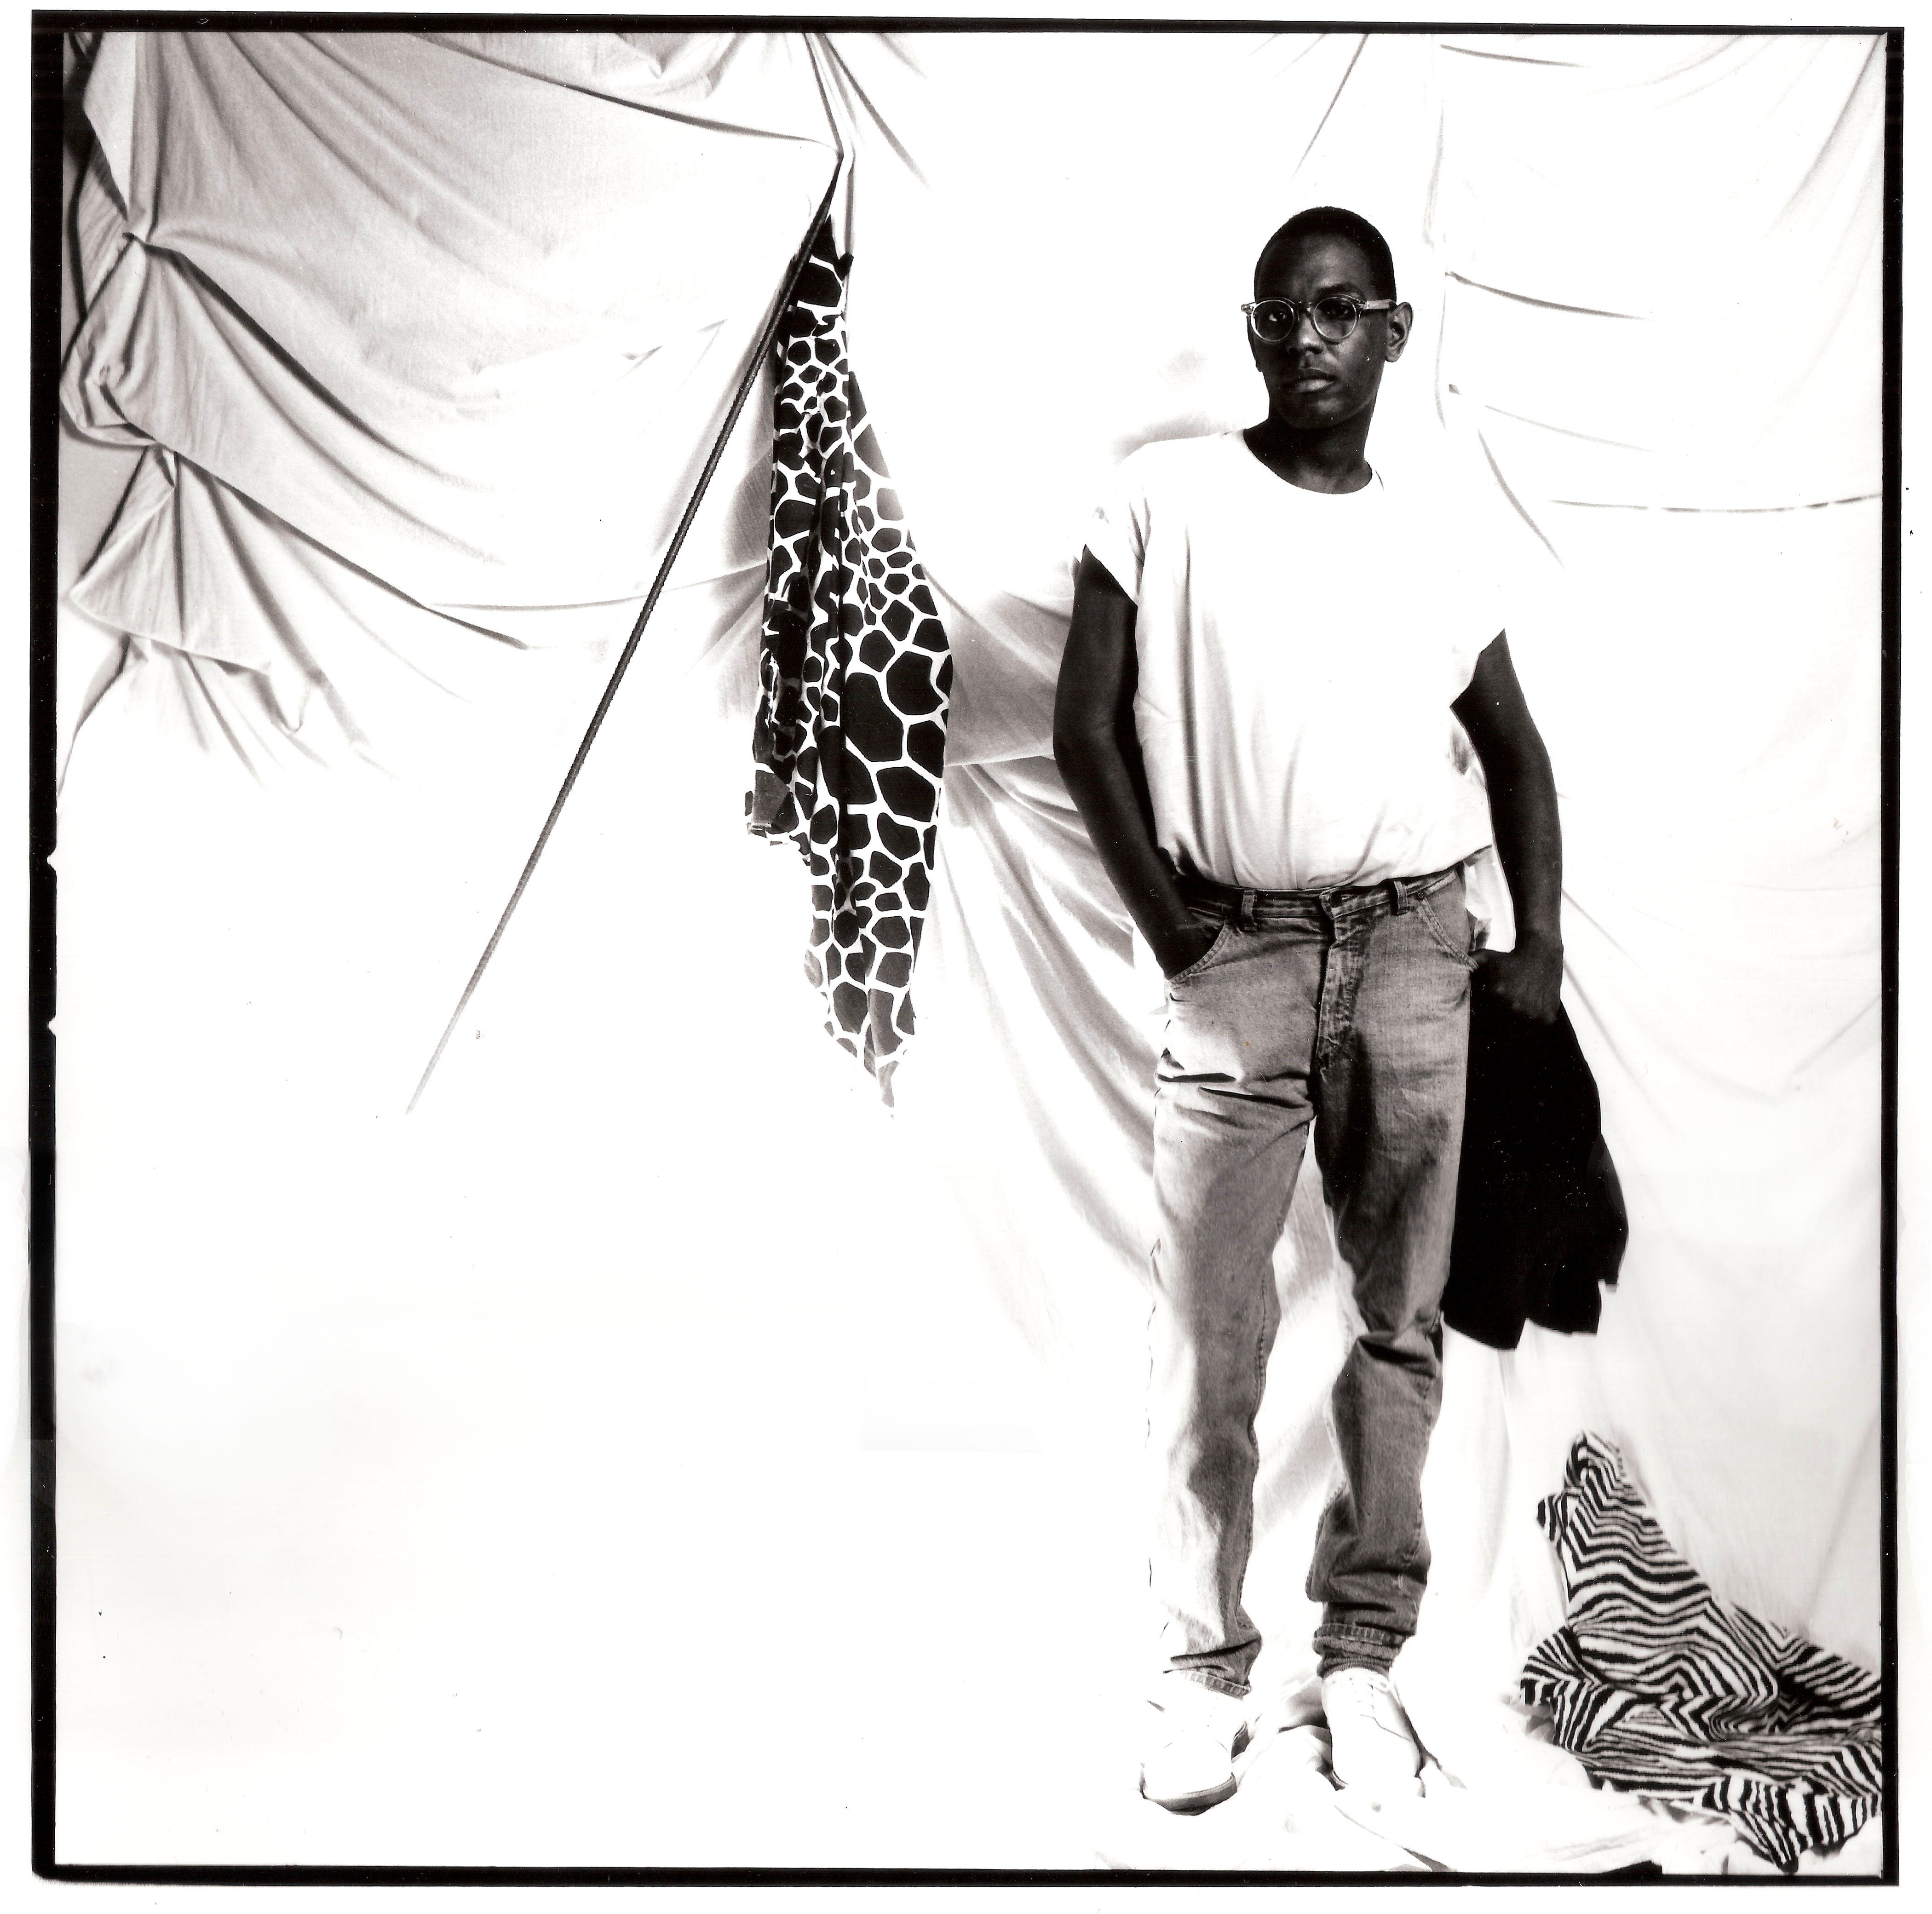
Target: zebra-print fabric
[(1658, 1688)]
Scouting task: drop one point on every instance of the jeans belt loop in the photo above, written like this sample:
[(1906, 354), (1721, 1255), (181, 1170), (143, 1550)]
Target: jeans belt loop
[(1244, 919)]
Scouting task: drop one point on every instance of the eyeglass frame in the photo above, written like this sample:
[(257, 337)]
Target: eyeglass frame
[(1298, 309)]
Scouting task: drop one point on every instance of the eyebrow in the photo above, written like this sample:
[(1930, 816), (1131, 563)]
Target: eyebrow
[(1348, 285)]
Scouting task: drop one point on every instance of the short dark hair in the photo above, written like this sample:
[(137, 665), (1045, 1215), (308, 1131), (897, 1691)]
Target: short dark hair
[(1335, 223)]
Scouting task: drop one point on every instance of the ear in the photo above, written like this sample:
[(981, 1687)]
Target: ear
[(1401, 317)]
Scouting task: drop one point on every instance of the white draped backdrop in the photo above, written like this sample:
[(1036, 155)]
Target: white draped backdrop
[(650, 1452)]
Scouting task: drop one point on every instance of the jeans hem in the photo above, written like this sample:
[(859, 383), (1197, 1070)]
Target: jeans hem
[(1356, 1647), (1214, 1681)]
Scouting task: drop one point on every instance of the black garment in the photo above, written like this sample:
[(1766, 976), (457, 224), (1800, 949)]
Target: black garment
[(1539, 1211)]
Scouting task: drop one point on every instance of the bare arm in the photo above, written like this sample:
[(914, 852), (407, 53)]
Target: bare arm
[(1099, 754), (1529, 839)]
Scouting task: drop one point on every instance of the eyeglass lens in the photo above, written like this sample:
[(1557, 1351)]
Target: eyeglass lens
[(1275, 319)]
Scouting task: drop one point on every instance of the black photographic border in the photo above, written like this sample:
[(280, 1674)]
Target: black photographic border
[(48, 126)]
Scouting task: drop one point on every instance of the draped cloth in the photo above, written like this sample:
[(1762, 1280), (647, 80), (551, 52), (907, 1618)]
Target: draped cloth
[(1656, 1686), (855, 677), (420, 340)]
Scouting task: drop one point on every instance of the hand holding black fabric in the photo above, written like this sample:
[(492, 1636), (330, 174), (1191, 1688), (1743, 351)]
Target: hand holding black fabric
[(1540, 1218)]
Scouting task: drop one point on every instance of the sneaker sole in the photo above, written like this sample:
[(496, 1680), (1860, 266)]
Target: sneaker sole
[(1197, 1803), (1202, 1799)]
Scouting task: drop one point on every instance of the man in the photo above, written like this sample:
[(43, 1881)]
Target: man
[(1254, 718)]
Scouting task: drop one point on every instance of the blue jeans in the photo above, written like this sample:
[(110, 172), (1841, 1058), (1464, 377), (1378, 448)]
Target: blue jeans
[(1351, 1006)]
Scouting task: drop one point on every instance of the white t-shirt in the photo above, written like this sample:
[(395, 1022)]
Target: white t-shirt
[(1299, 652)]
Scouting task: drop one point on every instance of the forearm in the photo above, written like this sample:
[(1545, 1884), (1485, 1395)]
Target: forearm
[(1099, 754), (1529, 841), (1100, 777)]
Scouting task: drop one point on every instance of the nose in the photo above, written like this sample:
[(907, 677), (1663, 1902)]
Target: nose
[(1303, 331)]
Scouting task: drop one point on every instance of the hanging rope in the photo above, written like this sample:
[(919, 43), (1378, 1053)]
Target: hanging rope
[(757, 357)]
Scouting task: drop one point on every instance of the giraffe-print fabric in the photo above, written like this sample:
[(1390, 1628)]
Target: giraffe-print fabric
[(855, 678)]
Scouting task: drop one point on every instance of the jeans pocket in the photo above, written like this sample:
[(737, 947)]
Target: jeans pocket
[(1223, 937), (1445, 942)]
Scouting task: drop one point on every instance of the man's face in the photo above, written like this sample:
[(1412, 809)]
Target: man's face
[(1312, 382)]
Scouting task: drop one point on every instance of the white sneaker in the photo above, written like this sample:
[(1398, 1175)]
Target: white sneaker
[(1193, 1733), (1372, 1746)]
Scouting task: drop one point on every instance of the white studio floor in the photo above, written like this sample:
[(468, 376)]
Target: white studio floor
[(477, 1488)]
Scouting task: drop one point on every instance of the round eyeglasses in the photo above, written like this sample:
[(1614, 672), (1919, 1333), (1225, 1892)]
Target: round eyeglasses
[(1335, 314)]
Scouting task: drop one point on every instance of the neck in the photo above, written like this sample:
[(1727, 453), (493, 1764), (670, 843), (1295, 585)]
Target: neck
[(1332, 459)]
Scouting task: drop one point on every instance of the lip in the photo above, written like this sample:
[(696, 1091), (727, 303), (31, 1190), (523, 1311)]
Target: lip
[(1309, 381)]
